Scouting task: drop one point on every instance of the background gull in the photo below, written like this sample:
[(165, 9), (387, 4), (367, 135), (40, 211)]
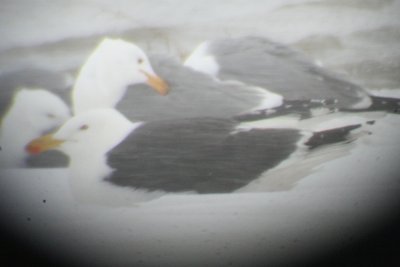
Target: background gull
[(33, 112), (27, 111), (303, 84)]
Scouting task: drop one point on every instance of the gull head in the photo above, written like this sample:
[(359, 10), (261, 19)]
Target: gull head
[(35, 111), (85, 135), (109, 70)]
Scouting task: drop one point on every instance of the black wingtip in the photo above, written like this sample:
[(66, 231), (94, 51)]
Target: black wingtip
[(389, 104), (331, 136)]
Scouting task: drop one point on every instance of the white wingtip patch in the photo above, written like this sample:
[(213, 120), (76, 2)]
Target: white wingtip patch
[(282, 122)]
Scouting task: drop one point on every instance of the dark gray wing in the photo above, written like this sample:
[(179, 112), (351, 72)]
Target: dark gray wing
[(192, 94), (197, 155), (276, 67)]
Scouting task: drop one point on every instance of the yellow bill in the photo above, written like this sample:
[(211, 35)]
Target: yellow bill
[(43, 143), (157, 83)]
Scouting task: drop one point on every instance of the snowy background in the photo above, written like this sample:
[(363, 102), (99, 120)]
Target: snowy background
[(340, 197)]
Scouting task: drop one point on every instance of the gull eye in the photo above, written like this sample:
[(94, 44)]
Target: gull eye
[(140, 61), (84, 127), (50, 115)]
